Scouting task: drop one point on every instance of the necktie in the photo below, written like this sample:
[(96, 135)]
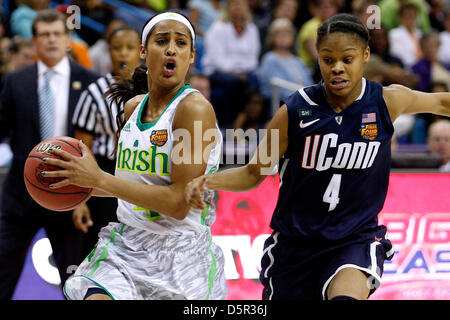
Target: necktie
[(47, 107)]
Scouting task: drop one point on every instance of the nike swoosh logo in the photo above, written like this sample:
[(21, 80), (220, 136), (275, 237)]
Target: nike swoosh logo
[(307, 124)]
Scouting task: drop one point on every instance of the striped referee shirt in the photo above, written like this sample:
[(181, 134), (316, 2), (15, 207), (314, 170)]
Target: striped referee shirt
[(95, 115)]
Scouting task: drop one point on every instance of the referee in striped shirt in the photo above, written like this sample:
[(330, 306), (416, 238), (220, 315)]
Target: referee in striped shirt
[(95, 123)]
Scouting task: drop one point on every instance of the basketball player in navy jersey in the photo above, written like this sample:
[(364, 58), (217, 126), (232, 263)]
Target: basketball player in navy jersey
[(334, 162)]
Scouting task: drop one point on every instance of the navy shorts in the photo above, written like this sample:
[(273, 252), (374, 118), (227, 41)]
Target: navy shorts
[(302, 268)]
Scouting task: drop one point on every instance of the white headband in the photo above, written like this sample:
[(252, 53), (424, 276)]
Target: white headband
[(167, 16)]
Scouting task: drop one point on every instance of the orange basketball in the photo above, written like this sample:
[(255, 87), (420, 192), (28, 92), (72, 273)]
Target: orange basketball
[(61, 199)]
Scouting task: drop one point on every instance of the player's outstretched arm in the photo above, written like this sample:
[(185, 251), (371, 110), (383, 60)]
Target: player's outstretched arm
[(269, 151), (402, 100)]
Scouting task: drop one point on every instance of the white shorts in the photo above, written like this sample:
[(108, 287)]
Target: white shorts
[(134, 264)]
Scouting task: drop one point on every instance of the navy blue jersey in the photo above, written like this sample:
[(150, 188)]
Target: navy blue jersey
[(335, 172)]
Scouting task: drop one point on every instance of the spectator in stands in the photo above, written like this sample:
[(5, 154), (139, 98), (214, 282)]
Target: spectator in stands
[(285, 9), (98, 11), (22, 17), (5, 48), (424, 120), (201, 82), (252, 116), (403, 127), (304, 13), (390, 10), (5, 57), (21, 20), (306, 38), (199, 52), (79, 50), (280, 61), (36, 103), (3, 23), (429, 68), (444, 37), (22, 53), (439, 142), (382, 66), (379, 45), (261, 13), (232, 48), (99, 51), (281, 9), (436, 14), (203, 14), (359, 8), (238, 50), (405, 39)]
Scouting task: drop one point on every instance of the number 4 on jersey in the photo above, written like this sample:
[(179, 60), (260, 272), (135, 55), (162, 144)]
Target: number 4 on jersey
[(331, 194)]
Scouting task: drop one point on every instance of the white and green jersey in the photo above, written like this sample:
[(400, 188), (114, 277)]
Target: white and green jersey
[(144, 156)]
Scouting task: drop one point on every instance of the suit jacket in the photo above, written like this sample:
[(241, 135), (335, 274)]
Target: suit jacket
[(19, 119)]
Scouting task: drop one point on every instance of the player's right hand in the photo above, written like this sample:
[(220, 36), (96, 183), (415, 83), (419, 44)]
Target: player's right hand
[(193, 192), (81, 171), (81, 218)]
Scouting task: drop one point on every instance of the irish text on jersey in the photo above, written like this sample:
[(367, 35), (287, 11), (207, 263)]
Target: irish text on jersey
[(142, 161)]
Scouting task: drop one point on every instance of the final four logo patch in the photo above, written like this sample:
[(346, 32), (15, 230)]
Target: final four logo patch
[(369, 131), (159, 137)]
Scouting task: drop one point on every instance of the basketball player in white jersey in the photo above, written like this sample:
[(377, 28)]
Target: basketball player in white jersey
[(161, 248)]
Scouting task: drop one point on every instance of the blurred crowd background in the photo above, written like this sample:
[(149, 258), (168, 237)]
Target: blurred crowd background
[(253, 53)]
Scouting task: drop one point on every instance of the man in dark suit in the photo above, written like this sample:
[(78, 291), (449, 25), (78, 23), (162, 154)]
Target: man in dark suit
[(38, 102)]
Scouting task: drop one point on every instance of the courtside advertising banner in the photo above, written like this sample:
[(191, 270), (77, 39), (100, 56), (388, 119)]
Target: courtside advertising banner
[(416, 213)]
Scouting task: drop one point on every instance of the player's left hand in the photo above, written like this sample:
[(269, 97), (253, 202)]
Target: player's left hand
[(81, 171), (193, 192)]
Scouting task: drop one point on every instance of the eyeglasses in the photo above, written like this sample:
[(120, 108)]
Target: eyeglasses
[(47, 35)]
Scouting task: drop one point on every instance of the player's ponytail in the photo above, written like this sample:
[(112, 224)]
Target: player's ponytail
[(344, 23), (123, 90)]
